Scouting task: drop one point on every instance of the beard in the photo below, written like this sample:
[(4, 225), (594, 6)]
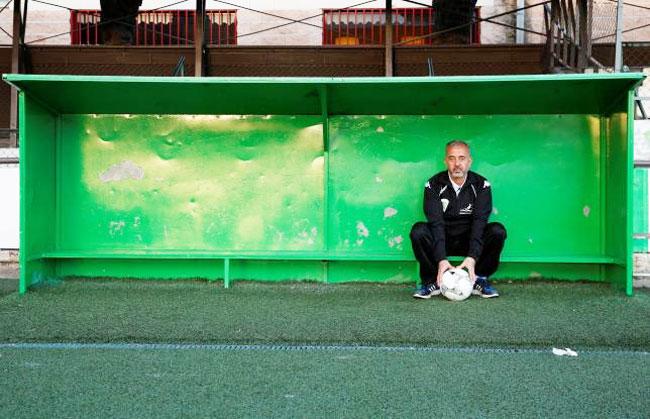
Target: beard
[(458, 174)]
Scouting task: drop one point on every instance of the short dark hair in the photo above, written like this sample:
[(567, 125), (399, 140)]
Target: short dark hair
[(454, 143)]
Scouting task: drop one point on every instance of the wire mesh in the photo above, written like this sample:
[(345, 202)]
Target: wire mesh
[(635, 32)]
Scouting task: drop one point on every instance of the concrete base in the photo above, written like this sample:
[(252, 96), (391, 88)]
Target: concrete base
[(9, 270), (9, 264)]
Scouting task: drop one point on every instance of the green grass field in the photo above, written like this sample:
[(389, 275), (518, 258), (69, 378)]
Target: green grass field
[(134, 349)]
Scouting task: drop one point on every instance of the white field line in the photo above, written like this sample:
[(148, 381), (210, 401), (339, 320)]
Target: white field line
[(300, 348)]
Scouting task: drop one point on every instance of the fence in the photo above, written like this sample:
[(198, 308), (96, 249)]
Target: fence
[(159, 27), (367, 26)]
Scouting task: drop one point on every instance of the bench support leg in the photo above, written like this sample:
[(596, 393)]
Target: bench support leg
[(226, 273)]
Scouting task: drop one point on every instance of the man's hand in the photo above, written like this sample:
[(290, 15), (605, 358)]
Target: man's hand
[(469, 263), (443, 266)]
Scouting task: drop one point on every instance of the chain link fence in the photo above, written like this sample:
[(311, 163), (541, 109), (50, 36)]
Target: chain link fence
[(635, 31)]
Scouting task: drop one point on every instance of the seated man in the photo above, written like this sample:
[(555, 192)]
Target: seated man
[(457, 204)]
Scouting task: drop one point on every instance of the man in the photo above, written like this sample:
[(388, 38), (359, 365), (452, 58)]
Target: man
[(457, 204)]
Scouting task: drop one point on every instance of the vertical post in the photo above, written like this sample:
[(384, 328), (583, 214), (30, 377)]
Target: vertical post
[(15, 68), (226, 273), (585, 11), (618, 60), (520, 22), (199, 17), (389, 38)]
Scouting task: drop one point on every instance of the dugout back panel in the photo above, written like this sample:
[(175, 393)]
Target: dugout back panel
[(318, 179)]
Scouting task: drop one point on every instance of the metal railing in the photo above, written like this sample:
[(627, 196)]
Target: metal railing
[(367, 26), (159, 27)]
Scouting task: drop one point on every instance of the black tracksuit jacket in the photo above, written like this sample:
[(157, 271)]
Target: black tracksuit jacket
[(465, 215)]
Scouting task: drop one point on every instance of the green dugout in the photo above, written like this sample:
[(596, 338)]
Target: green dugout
[(316, 178)]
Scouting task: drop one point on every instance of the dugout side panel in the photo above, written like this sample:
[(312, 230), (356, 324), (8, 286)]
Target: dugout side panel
[(619, 181), (38, 187)]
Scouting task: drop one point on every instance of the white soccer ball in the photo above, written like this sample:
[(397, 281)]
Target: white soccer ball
[(456, 285)]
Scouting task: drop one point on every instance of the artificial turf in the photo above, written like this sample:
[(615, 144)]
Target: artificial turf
[(477, 358), (528, 314), (161, 383), (7, 286)]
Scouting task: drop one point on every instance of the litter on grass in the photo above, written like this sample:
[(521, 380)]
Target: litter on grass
[(564, 352)]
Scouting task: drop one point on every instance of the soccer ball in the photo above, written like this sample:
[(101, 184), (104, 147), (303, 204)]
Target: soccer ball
[(456, 285)]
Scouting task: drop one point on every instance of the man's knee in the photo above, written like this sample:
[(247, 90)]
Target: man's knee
[(497, 231), (419, 231)]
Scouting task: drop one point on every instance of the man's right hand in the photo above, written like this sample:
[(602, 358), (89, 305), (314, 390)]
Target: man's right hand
[(443, 266)]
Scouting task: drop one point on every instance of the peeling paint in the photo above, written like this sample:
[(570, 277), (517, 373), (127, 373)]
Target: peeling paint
[(380, 129), (389, 212), (318, 163), (122, 171), (395, 241), (586, 211), (495, 211), (362, 230), (116, 227), (379, 179), (534, 274)]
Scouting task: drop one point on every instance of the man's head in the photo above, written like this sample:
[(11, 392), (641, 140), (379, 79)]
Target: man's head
[(458, 159)]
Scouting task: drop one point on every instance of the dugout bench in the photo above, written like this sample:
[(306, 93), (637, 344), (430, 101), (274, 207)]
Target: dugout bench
[(316, 178)]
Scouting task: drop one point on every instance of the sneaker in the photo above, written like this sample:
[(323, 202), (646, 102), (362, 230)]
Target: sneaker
[(427, 291), (483, 288)]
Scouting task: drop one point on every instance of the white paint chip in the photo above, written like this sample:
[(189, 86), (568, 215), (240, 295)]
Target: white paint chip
[(362, 230), (122, 171), (395, 241), (389, 212), (116, 227), (586, 210)]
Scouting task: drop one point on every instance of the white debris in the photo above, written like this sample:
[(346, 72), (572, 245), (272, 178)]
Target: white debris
[(564, 352)]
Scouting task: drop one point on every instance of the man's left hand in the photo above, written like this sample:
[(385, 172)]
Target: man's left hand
[(469, 263)]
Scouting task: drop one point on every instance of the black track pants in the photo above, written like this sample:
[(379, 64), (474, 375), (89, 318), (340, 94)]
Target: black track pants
[(422, 240)]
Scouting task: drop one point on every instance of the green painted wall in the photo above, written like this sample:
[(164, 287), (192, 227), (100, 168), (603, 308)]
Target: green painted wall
[(640, 209), (256, 183)]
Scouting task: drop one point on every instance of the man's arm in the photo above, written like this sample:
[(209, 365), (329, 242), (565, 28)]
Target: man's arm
[(482, 211)]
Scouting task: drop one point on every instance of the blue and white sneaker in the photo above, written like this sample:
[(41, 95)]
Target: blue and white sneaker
[(427, 291), (483, 288)]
